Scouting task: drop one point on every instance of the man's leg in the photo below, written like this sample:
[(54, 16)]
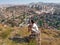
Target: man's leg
[(38, 39)]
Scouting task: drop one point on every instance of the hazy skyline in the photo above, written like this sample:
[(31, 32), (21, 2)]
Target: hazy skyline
[(27, 1)]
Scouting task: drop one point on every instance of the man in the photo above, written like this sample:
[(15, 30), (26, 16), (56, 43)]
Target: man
[(35, 33)]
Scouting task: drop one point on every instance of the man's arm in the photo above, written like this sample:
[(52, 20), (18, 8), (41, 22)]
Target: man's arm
[(29, 28)]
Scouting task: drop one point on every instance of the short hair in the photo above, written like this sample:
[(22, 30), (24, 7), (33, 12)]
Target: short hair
[(32, 21)]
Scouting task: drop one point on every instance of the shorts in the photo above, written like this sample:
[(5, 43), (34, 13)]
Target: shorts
[(34, 35)]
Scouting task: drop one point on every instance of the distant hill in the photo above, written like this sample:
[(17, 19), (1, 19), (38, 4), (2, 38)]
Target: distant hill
[(43, 13), (46, 4)]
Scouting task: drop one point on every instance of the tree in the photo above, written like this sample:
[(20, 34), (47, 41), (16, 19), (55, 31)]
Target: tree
[(40, 23)]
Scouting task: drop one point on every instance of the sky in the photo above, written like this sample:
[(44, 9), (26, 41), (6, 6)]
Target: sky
[(27, 1)]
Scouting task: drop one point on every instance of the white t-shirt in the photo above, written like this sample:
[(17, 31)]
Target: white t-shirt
[(35, 28)]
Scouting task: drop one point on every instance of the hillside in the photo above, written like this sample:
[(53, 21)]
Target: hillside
[(43, 13), (14, 20), (48, 36)]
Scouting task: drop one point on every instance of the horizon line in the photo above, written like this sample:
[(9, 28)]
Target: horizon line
[(26, 3)]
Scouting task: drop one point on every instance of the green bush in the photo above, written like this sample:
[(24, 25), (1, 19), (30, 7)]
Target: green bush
[(40, 23)]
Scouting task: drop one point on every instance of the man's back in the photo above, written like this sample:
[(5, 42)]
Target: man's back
[(35, 28)]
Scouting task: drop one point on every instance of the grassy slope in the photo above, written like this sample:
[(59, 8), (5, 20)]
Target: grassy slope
[(6, 32), (48, 36)]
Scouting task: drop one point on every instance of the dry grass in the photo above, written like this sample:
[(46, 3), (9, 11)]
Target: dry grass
[(48, 36), (6, 32)]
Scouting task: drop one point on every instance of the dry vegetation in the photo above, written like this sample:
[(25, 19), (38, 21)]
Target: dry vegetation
[(48, 36), (6, 32)]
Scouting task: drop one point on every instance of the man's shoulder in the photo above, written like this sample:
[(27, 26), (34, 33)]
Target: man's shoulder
[(35, 24)]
